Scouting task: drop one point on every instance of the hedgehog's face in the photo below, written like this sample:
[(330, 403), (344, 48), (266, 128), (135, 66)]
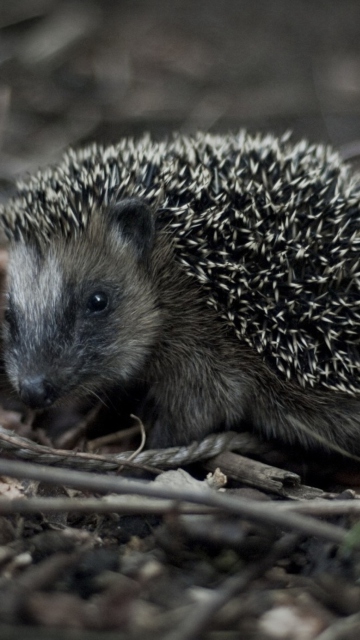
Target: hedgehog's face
[(82, 314)]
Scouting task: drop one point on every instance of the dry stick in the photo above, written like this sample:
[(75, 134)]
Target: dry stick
[(322, 507), (254, 473), (163, 458), (143, 439), (113, 504), (29, 449), (285, 483), (262, 476), (249, 509), (159, 506), (199, 620)]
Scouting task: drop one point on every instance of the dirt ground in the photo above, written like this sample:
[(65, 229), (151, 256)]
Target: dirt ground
[(76, 71)]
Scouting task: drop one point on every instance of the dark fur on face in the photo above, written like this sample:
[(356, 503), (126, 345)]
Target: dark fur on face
[(55, 329)]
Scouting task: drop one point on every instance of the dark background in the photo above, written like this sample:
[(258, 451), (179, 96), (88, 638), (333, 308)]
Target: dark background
[(98, 69)]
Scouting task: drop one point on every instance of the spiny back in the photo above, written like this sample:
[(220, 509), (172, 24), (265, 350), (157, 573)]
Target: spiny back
[(269, 229)]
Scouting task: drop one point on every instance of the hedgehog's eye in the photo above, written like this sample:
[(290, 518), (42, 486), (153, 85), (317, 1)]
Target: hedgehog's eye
[(98, 301)]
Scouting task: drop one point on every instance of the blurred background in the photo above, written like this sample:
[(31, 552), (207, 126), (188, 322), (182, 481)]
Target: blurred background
[(74, 71)]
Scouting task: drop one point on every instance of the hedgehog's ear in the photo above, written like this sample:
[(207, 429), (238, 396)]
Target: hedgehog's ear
[(135, 222)]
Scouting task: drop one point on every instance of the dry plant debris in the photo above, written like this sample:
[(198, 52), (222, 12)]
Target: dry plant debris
[(174, 557)]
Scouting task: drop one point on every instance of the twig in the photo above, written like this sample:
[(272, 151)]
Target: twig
[(25, 448), (253, 473), (262, 476), (160, 506), (150, 460), (113, 504), (143, 439), (320, 507), (141, 445), (249, 509)]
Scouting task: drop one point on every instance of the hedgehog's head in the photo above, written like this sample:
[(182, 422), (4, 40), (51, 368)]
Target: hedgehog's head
[(81, 312)]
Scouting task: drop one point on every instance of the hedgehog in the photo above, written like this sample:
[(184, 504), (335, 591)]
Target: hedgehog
[(219, 274)]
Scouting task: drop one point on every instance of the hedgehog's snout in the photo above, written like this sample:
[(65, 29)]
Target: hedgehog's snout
[(37, 392)]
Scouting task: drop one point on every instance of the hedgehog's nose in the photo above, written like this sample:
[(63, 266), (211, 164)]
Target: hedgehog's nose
[(37, 392)]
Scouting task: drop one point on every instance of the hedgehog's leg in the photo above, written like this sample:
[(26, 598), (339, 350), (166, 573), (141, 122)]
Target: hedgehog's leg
[(204, 395)]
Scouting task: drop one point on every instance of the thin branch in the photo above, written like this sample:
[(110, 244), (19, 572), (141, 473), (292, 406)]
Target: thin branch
[(150, 460), (143, 438), (160, 506), (249, 509), (253, 473), (25, 448), (321, 507), (113, 504)]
